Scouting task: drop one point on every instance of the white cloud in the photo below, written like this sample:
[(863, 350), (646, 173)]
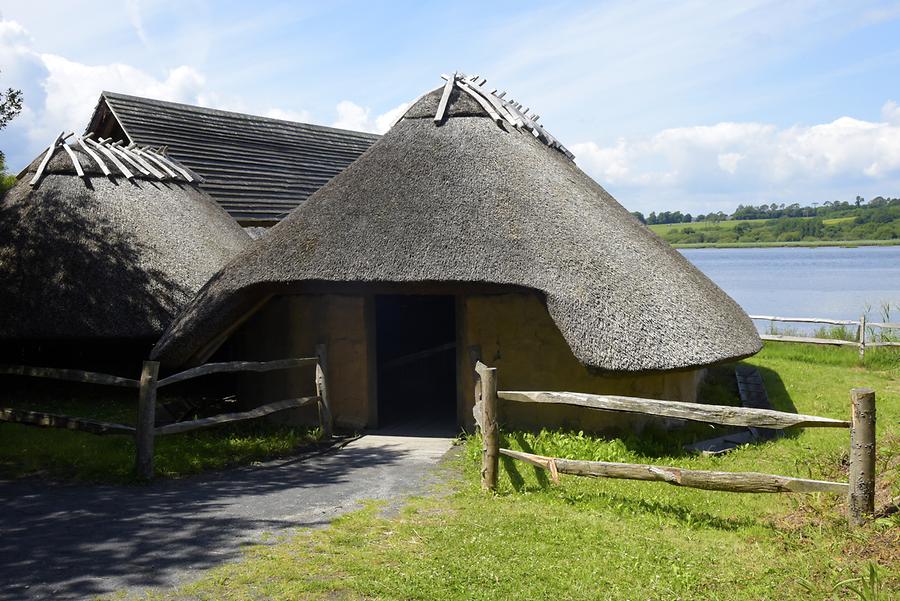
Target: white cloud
[(355, 117), (72, 89), (60, 94), (890, 112), (352, 116), (750, 158), (728, 162)]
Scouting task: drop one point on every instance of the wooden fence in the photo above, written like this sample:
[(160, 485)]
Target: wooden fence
[(861, 325), (860, 489), (146, 430)]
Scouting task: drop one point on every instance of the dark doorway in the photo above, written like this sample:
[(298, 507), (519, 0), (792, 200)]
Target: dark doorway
[(416, 362)]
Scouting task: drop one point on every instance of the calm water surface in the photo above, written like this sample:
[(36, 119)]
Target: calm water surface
[(837, 283)]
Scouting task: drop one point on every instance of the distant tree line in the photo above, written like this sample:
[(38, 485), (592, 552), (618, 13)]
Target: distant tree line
[(877, 219), (769, 211)]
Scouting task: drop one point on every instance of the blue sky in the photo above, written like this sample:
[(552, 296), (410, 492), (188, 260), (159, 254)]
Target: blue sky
[(690, 106)]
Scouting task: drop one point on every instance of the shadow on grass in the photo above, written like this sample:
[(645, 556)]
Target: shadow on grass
[(510, 465)]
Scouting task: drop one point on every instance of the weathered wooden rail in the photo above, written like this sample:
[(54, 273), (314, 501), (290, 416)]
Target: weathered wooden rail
[(860, 489), (146, 430), (861, 324)]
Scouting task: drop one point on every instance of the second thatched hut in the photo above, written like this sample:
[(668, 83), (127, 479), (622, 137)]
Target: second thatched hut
[(101, 245)]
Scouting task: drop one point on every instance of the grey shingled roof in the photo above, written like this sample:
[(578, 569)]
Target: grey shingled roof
[(258, 169), (472, 200), (104, 256)]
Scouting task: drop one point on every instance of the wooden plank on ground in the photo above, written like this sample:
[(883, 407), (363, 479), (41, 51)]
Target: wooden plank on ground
[(753, 395), (233, 366), (67, 422), (226, 418), (72, 375), (699, 412), (749, 482)]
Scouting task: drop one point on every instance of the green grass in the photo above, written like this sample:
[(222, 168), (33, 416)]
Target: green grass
[(614, 539), (68, 455)]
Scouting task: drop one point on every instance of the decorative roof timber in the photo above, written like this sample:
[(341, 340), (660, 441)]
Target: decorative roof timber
[(496, 107), (94, 156), (145, 161)]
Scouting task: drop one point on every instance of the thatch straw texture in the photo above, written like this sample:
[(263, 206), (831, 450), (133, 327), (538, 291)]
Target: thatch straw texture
[(105, 257), (470, 201)]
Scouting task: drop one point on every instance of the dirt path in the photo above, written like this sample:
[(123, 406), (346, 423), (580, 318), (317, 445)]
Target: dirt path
[(72, 542)]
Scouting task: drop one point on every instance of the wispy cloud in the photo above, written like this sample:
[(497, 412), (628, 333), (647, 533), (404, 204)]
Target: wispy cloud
[(134, 15)]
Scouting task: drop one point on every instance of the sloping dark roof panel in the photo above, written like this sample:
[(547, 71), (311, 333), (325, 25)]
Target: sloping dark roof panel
[(258, 169)]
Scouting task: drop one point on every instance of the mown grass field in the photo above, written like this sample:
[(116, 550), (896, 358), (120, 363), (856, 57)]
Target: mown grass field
[(663, 228), (614, 539)]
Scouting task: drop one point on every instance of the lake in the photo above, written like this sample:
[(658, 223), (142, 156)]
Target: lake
[(833, 282)]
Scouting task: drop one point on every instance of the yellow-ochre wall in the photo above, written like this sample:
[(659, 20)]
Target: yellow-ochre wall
[(512, 332), (515, 333), (292, 326)]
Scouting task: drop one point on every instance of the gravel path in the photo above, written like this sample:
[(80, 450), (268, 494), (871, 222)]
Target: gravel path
[(75, 541)]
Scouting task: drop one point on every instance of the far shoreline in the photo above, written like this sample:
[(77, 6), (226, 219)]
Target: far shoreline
[(796, 244)]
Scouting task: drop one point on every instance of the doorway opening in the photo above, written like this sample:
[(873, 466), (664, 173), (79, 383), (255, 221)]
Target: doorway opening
[(416, 362)]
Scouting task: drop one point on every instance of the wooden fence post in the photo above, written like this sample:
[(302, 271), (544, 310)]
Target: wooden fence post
[(146, 420), (861, 500), (862, 337), (325, 417), (490, 432)]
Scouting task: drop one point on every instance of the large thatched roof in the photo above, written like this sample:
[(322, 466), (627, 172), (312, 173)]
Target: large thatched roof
[(106, 256), (473, 199)]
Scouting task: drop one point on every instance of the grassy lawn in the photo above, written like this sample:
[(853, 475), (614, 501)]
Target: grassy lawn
[(67, 455), (615, 539)]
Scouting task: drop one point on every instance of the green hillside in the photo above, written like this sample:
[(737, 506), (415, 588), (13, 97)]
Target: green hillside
[(877, 222)]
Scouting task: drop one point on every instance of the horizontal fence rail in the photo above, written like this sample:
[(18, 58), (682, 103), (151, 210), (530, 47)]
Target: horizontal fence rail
[(71, 375), (227, 418), (861, 326), (67, 422), (235, 366), (809, 340), (145, 431), (749, 482), (699, 412), (859, 490), (825, 320)]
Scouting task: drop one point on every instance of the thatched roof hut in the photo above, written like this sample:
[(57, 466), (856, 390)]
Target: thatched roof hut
[(472, 205), (102, 242)]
